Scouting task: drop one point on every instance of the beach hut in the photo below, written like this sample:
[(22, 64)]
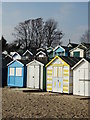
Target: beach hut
[(36, 75), (61, 51), (27, 55), (15, 55), (81, 77), (17, 73), (59, 76)]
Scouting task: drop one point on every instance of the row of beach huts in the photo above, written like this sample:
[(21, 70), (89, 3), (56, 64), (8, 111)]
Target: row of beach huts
[(63, 69)]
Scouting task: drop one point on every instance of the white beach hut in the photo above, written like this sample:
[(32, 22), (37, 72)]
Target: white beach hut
[(35, 75), (81, 77)]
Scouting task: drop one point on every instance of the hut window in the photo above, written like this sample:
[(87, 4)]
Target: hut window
[(11, 71), (18, 71)]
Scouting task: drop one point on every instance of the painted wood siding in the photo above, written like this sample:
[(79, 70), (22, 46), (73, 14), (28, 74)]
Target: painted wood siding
[(77, 50), (49, 78), (81, 79), (17, 77), (67, 84), (35, 75), (58, 52)]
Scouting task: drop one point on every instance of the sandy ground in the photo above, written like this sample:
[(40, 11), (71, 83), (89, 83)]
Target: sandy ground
[(18, 104)]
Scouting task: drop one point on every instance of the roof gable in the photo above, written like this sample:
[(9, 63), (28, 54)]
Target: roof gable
[(27, 51), (80, 46), (41, 52), (56, 57), (34, 62), (14, 61), (71, 61), (83, 59), (59, 48), (72, 45)]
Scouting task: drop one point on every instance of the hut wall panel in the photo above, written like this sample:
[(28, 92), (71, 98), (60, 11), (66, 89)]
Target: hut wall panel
[(49, 78), (41, 83), (81, 80), (87, 88)]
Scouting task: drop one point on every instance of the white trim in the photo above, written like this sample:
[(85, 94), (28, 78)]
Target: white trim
[(83, 59), (77, 47), (15, 53), (8, 56), (26, 52), (58, 46), (40, 48), (41, 52), (14, 61), (36, 62)]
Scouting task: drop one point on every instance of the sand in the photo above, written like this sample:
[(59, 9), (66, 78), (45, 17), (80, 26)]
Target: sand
[(19, 104)]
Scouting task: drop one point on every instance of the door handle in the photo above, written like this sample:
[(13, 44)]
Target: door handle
[(33, 76)]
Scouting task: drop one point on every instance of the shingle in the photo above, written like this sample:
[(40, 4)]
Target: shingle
[(71, 60)]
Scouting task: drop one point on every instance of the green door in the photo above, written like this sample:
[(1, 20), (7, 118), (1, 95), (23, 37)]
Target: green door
[(76, 54)]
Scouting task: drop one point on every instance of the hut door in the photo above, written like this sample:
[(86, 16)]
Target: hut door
[(36, 76), (57, 79), (31, 77), (60, 79)]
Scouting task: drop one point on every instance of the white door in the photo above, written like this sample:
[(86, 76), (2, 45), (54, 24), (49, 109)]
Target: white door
[(84, 82), (30, 81), (36, 76)]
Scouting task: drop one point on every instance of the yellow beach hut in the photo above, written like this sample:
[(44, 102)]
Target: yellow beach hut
[(59, 75)]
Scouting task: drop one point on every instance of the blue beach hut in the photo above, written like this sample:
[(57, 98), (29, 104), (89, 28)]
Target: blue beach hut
[(17, 72)]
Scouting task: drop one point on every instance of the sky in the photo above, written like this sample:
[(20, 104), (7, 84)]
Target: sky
[(72, 17)]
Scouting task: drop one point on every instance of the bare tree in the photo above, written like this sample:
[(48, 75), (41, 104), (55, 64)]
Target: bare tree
[(52, 34), (35, 32), (86, 37)]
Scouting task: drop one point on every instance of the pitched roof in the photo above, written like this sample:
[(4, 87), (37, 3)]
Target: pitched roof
[(58, 46), (67, 48), (81, 46), (73, 44), (24, 62), (28, 52), (40, 53), (69, 60), (83, 59), (86, 44)]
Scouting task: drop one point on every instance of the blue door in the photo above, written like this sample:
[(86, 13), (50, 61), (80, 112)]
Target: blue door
[(11, 81), (57, 79), (19, 77)]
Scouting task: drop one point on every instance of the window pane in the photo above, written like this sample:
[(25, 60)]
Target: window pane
[(11, 71), (76, 54), (18, 71)]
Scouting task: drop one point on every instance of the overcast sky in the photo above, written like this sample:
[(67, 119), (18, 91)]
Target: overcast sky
[(72, 17)]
